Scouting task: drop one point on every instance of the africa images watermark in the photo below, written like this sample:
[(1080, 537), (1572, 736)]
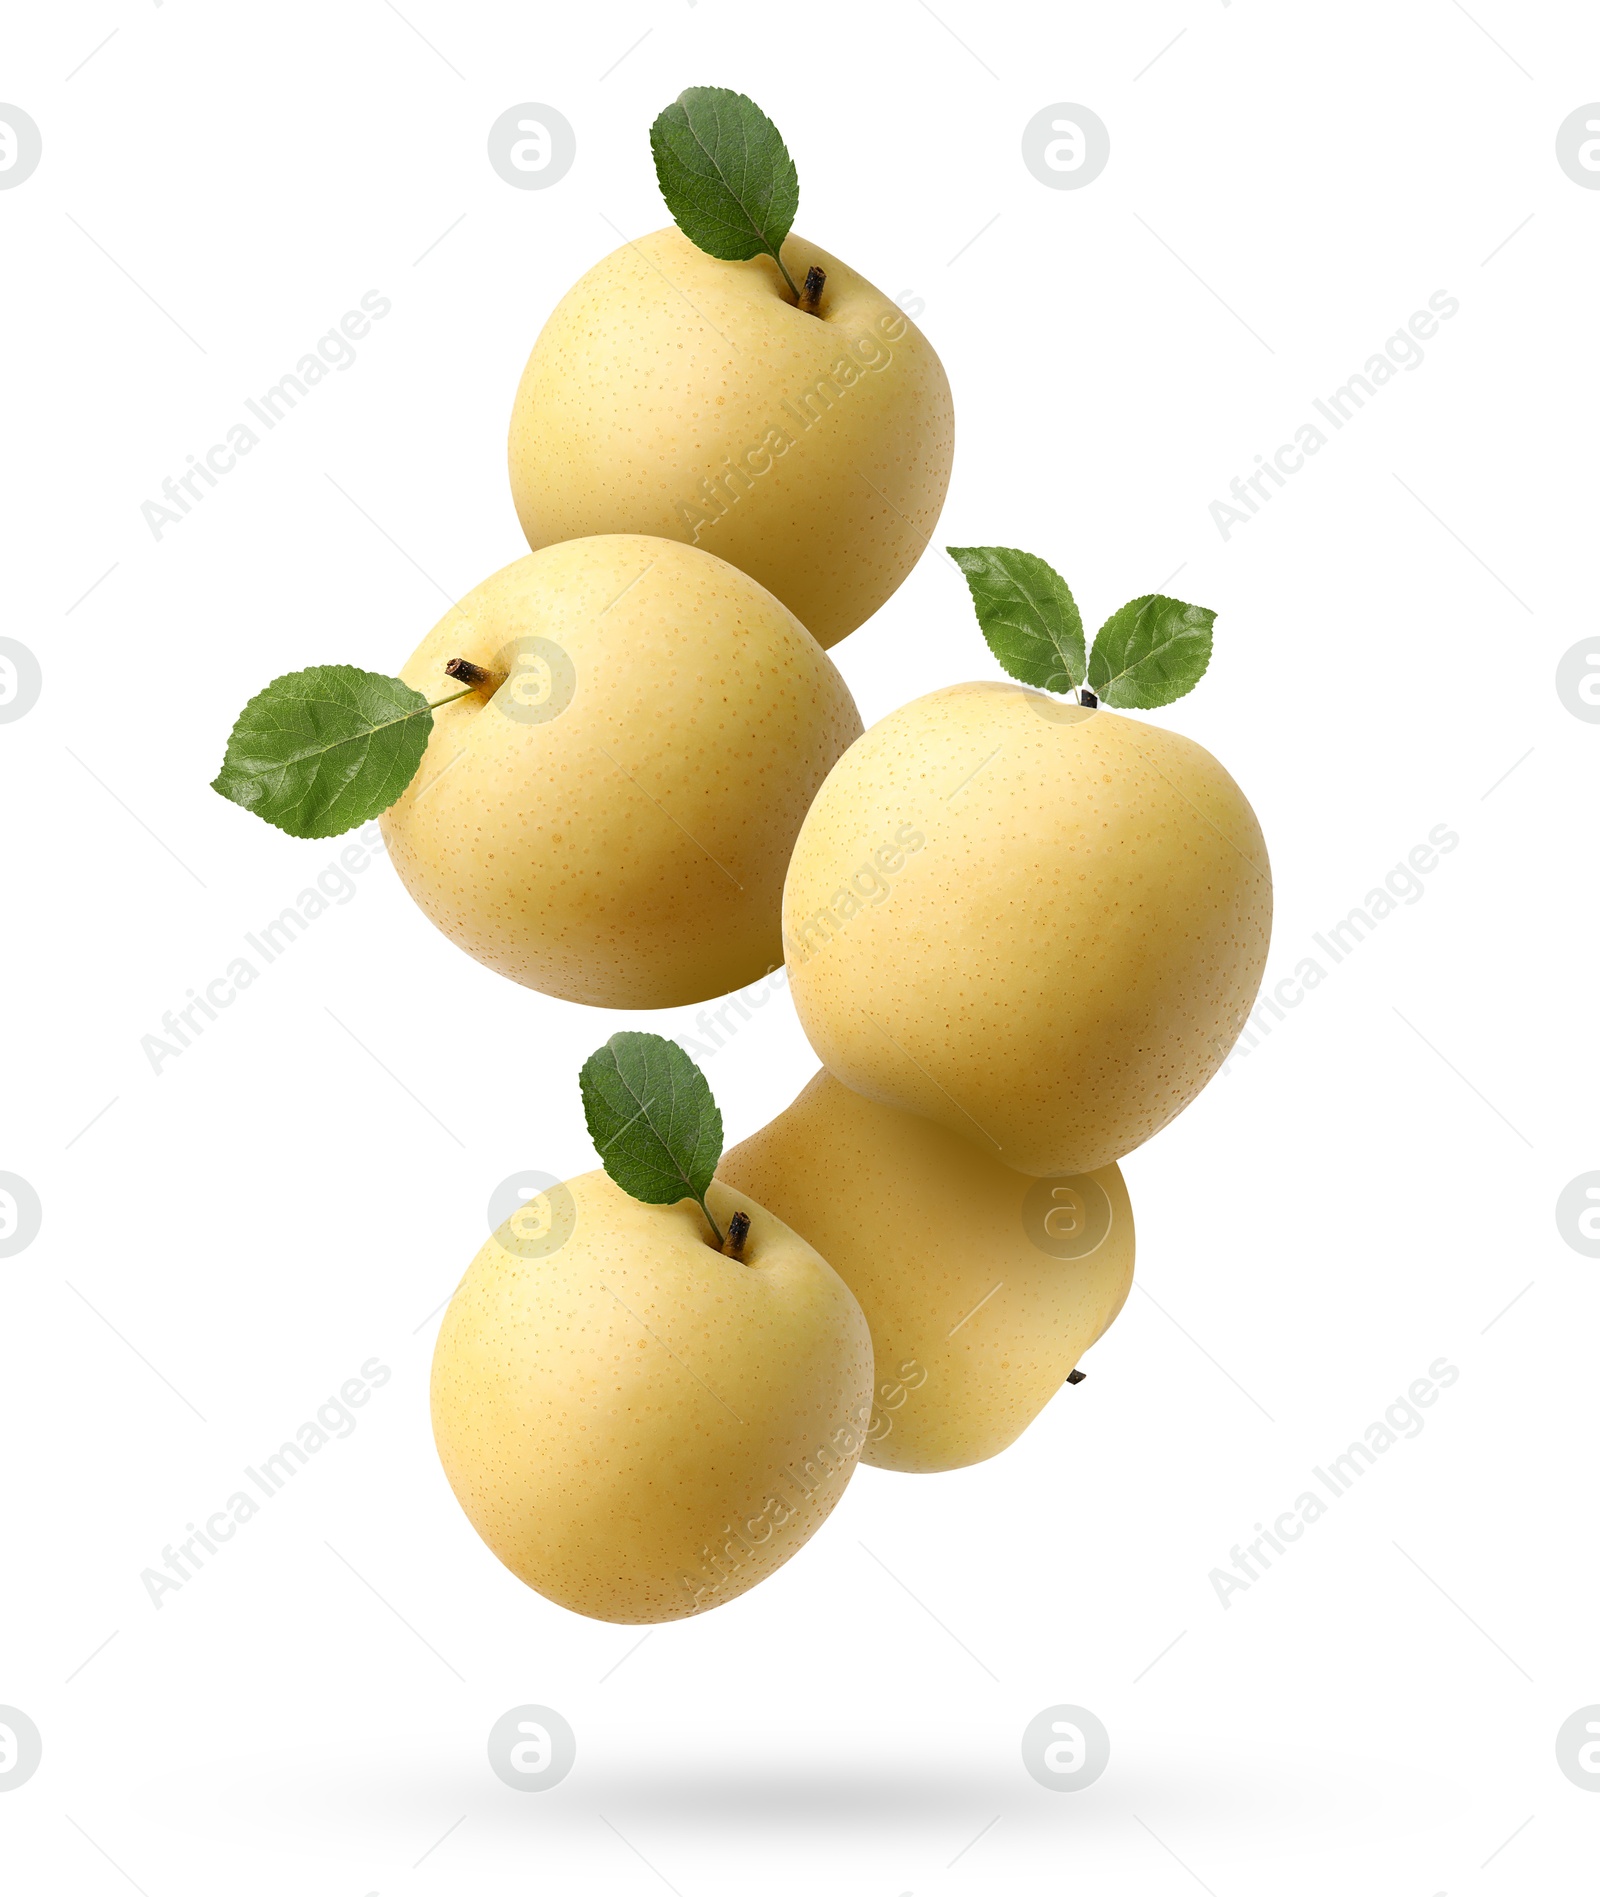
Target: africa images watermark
[(861, 356), (182, 1026), (867, 887), (1402, 886), (891, 1394), (1403, 1418), (335, 350), (333, 1421), (1402, 350), (715, 1023), (828, 1467)]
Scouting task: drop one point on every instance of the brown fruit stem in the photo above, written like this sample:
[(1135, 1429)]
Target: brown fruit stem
[(811, 293), (472, 675), (738, 1232)]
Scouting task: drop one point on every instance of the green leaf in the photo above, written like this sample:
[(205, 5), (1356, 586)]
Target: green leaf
[(322, 750), (652, 1119), (1150, 652), (726, 174), (1027, 614)]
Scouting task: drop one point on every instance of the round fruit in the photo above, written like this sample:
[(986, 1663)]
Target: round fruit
[(609, 816), (639, 1427), (676, 394), (1041, 925), (982, 1287)]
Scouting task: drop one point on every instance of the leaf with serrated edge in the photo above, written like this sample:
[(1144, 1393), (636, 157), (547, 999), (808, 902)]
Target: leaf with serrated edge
[(725, 173), (323, 750), (1027, 613), (652, 1119), (1150, 652)]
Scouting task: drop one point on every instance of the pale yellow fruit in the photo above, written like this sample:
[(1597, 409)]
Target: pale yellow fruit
[(639, 1427), (982, 1286), (612, 823), (1038, 924), (672, 393)]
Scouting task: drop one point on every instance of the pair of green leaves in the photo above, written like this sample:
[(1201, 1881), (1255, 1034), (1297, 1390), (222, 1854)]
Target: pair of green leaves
[(652, 1119), (1148, 653), (726, 175)]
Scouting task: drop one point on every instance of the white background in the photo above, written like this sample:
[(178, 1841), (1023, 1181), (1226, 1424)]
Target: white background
[(1365, 1192)]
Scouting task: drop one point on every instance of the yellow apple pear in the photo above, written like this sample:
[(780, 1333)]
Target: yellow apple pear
[(683, 395), (1039, 924), (639, 1426), (981, 1286), (609, 815)]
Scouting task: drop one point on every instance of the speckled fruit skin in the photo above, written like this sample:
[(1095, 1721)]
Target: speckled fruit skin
[(664, 371), (639, 1427), (629, 852), (1062, 958), (930, 1235)]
